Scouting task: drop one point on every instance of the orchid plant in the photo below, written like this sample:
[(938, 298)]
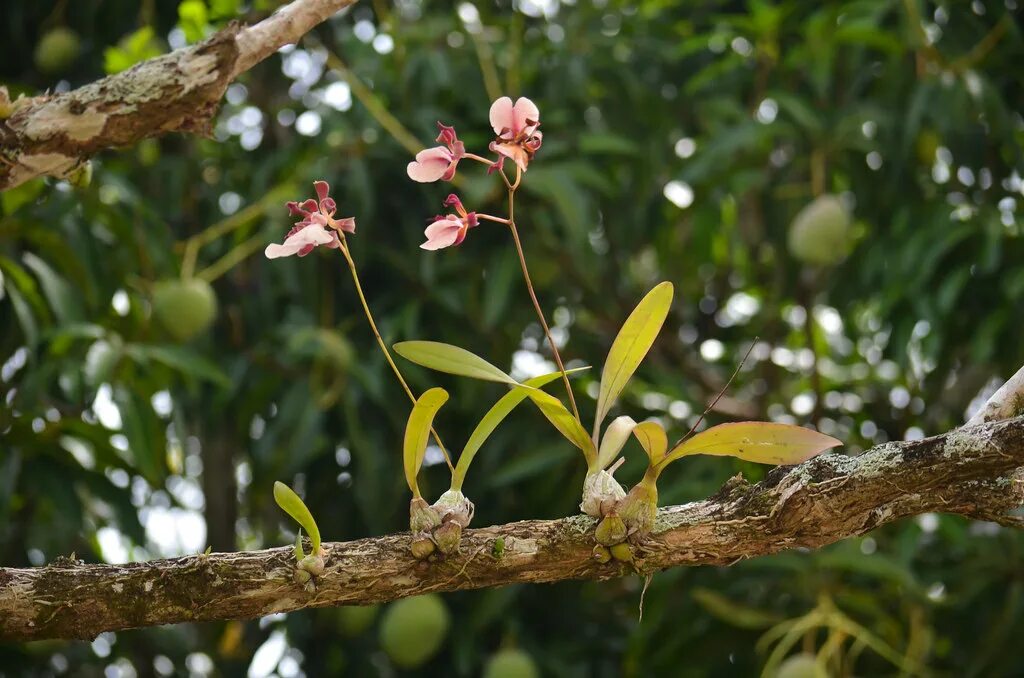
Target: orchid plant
[(625, 519)]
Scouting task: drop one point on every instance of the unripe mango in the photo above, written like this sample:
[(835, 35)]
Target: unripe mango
[(185, 308), (57, 50), (413, 630), (821, 232), (511, 663)]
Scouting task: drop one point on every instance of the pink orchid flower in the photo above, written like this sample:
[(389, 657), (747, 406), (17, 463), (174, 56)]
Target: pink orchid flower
[(449, 229), (317, 226), (438, 162), (516, 126)]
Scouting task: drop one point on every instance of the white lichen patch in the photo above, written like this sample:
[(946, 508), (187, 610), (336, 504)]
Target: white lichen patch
[(520, 547), (118, 587), (58, 118), (199, 71), (148, 586), (579, 524), (961, 442), (873, 463)]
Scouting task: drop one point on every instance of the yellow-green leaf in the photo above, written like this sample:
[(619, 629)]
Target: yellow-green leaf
[(495, 416), (293, 505), (652, 438), (758, 441), (615, 436), (562, 419), (631, 345), (451, 359), (417, 433)]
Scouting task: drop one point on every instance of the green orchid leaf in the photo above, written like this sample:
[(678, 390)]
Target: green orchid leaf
[(495, 416), (615, 436), (652, 438), (762, 442), (451, 360), (291, 504), (417, 433), (630, 346), (552, 408)]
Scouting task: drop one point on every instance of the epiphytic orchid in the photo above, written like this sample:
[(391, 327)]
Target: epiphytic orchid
[(516, 126), (317, 226), (438, 162), (449, 229)]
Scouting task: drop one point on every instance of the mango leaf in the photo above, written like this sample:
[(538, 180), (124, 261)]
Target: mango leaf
[(145, 434), (193, 19), (180, 359), (61, 295), (615, 436), (552, 408), (630, 346), (133, 48), (736, 614), (652, 438), (293, 505), (451, 360), (762, 442), (495, 416), (417, 433)]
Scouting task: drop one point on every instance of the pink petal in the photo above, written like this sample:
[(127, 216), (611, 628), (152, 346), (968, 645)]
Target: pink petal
[(308, 237), (441, 233), (323, 188), (430, 165), (524, 113), (501, 115), (274, 251), (513, 152), (348, 224)]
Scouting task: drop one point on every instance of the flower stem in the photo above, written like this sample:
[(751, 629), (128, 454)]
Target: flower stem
[(380, 341), (488, 217), (533, 295), (478, 158)]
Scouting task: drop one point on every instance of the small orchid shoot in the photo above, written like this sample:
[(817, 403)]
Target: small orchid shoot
[(755, 441), (439, 526), (307, 565)]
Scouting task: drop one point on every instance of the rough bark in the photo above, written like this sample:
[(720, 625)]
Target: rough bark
[(1006, 402), (52, 135), (972, 471)]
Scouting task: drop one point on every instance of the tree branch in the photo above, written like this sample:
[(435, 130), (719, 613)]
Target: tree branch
[(971, 471), (1006, 402), (176, 92)]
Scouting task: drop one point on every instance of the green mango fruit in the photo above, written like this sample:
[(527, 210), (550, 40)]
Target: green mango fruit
[(511, 663), (821, 233), (57, 50), (354, 620), (185, 308), (413, 630)]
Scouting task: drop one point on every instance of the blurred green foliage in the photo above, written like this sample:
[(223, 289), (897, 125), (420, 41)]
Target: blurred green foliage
[(681, 140)]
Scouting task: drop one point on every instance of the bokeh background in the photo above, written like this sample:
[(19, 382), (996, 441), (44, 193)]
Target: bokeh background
[(681, 142)]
